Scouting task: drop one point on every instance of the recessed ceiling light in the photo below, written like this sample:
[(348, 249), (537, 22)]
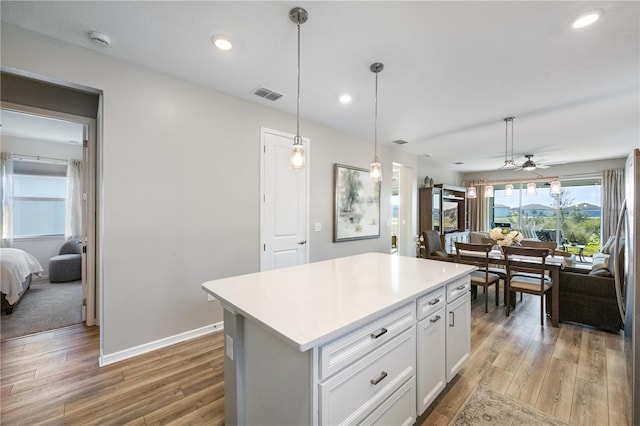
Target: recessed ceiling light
[(344, 99), (587, 19), (222, 42)]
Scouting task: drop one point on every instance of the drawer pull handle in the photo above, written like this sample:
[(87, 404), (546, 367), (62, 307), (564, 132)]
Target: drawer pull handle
[(436, 319), (461, 287), (434, 302), (382, 331), (379, 379), (452, 319)]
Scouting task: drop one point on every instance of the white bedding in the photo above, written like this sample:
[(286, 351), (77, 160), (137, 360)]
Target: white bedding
[(16, 266)]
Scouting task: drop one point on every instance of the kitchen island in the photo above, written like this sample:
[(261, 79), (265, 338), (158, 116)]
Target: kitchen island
[(359, 339)]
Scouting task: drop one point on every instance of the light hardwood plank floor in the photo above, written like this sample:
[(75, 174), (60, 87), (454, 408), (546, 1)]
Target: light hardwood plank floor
[(573, 373)]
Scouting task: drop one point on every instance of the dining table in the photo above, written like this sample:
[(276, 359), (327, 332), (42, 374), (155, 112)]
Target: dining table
[(552, 263)]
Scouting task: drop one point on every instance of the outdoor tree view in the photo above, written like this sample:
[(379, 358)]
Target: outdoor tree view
[(571, 219)]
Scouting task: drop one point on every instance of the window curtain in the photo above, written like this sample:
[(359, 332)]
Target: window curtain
[(479, 211), (612, 199), (73, 202), (6, 164)]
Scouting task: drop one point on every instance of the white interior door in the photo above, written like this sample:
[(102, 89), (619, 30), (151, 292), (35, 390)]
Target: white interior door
[(283, 216)]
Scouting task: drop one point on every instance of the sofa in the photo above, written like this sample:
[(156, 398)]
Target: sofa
[(588, 296)]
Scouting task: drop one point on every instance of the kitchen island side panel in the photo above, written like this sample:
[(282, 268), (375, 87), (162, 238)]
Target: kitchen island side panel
[(277, 380)]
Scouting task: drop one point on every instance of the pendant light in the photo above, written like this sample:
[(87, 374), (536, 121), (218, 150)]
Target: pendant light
[(508, 190), (556, 187), (472, 192), (297, 158), (531, 188), (488, 191), (375, 169)]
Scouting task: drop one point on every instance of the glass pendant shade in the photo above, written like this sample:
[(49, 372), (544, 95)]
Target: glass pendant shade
[(488, 191), (297, 159), (472, 192), (375, 170), (508, 190), (531, 188), (556, 187)]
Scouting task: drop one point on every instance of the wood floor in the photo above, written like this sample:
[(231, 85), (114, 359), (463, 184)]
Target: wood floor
[(572, 373)]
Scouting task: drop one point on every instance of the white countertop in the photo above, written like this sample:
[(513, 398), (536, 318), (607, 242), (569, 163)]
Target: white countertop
[(308, 305)]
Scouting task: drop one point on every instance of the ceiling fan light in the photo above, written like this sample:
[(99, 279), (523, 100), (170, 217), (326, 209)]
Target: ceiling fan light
[(508, 190), (488, 191), (529, 166), (531, 188), (556, 187)]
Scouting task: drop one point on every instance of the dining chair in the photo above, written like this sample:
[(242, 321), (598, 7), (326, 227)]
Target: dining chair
[(433, 246), (478, 255), (526, 274)]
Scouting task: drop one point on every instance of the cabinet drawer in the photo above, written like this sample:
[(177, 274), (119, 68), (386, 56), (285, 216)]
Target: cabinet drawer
[(458, 288), (398, 409), (336, 355), (354, 393), (430, 303)]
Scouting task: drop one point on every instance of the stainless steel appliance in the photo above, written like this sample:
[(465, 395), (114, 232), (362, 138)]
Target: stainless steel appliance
[(628, 286)]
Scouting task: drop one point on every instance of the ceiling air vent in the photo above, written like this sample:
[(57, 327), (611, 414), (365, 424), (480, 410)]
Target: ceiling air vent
[(400, 142), (263, 92)]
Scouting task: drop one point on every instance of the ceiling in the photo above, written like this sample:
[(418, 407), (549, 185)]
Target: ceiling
[(453, 70), (40, 128)]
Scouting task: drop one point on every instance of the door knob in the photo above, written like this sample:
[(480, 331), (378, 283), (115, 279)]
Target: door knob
[(302, 242)]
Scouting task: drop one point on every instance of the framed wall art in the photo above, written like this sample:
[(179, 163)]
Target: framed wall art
[(357, 205)]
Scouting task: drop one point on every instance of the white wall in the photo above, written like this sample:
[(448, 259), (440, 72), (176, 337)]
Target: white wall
[(438, 172), (180, 199)]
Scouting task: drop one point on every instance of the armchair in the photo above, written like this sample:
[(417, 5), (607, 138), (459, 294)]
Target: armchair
[(67, 265)]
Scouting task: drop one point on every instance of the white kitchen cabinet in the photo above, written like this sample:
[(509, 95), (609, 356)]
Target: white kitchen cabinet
[(431, 368), (458, 334), (355, 392)]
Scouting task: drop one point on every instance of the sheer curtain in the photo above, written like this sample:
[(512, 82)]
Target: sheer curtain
[(73, 204), (6, 164), (479, 211), (612, 198)]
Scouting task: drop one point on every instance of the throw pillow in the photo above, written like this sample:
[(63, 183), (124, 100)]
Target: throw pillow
[(603, 272), (606, 248), (600, 269)]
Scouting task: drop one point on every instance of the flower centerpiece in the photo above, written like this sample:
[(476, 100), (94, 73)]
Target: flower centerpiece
[(504, 237)]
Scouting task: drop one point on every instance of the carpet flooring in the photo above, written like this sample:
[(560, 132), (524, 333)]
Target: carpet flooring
[(485, 407), (44, 307)]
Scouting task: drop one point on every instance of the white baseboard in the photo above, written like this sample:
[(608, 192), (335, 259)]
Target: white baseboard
[(158, 344)]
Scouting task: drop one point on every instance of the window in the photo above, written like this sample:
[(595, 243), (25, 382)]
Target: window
[(572, 218), (38, 205)]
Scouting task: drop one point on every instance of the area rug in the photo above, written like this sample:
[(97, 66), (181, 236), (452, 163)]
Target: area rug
[(44, 307), (486, 407)]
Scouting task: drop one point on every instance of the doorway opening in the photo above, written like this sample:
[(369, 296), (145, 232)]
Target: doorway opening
[(48, 213), (403, 206)]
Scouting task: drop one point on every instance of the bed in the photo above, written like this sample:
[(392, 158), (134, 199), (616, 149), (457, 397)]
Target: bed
[(17, 266)]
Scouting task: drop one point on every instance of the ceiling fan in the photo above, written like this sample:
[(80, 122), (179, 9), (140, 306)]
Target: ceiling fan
[(529, 165)]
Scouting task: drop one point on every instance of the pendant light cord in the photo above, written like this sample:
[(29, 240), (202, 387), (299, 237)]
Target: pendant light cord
[(297, 140), (375, 124)]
